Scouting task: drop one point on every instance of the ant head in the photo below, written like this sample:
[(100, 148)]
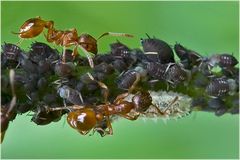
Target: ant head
[(82, 120)]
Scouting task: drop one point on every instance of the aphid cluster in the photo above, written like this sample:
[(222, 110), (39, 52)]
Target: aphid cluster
[(125, 82)]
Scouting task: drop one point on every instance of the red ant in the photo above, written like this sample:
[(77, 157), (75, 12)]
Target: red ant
[(35, 26), (86, 118)]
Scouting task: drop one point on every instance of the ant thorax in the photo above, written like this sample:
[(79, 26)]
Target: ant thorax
[(174, 105)]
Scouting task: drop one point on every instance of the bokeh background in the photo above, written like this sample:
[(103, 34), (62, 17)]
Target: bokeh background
[(207, 27)]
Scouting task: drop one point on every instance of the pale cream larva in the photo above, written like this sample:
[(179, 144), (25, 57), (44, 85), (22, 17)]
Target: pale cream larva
[(173, 105)]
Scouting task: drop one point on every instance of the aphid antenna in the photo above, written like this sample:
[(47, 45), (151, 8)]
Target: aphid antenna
[(169, 65), (148, 36)]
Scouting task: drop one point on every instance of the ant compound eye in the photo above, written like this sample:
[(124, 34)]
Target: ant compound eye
[(82, 120)]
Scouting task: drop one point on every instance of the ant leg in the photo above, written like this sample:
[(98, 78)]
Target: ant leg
[(120, 97), (138, 77), (103, 86), (83, 132), (109, 126), (90, 60), (74, 107), (75, 52), (115, 34), (132, 118), (104, 132)]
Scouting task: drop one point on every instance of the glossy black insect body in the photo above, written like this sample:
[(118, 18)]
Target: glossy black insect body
[(24, 107), (216, 103), (175, 74), (220, 87), (28, 65), (11, 51), (163, 50), (43, 117), (157, 70), (71, 95), (104, 68), (40, 51), (188, 57), (119, 65), (11, 55), (126, 80), (64, 69), (118, 49), (223, 60), (130, 78)]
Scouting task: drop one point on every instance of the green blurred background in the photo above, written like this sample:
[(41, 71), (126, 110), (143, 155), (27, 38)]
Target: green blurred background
[(207, 27)]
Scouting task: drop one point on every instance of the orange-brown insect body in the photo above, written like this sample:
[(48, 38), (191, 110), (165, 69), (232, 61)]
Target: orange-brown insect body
[(87, 118), (62, 38), (82, 120), (33, 27), (88, 42)]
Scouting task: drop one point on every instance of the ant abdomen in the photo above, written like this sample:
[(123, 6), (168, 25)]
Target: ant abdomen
[(82, 120)]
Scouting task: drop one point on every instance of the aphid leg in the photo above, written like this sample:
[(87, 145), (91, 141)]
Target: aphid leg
[(120, 97), (103, 86), (138, 77), (102, 131), (90, 60), (115, 34)]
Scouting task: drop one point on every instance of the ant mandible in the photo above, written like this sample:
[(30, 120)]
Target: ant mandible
[(85, 118), (35, 26)]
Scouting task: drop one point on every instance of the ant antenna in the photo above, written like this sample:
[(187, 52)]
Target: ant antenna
[(115, 34)]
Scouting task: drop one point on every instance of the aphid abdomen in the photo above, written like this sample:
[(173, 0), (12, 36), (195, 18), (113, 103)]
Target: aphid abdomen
[(157, 70), (226, 60), (165, 53), (220, 87), (175, 74), (126, 80)]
